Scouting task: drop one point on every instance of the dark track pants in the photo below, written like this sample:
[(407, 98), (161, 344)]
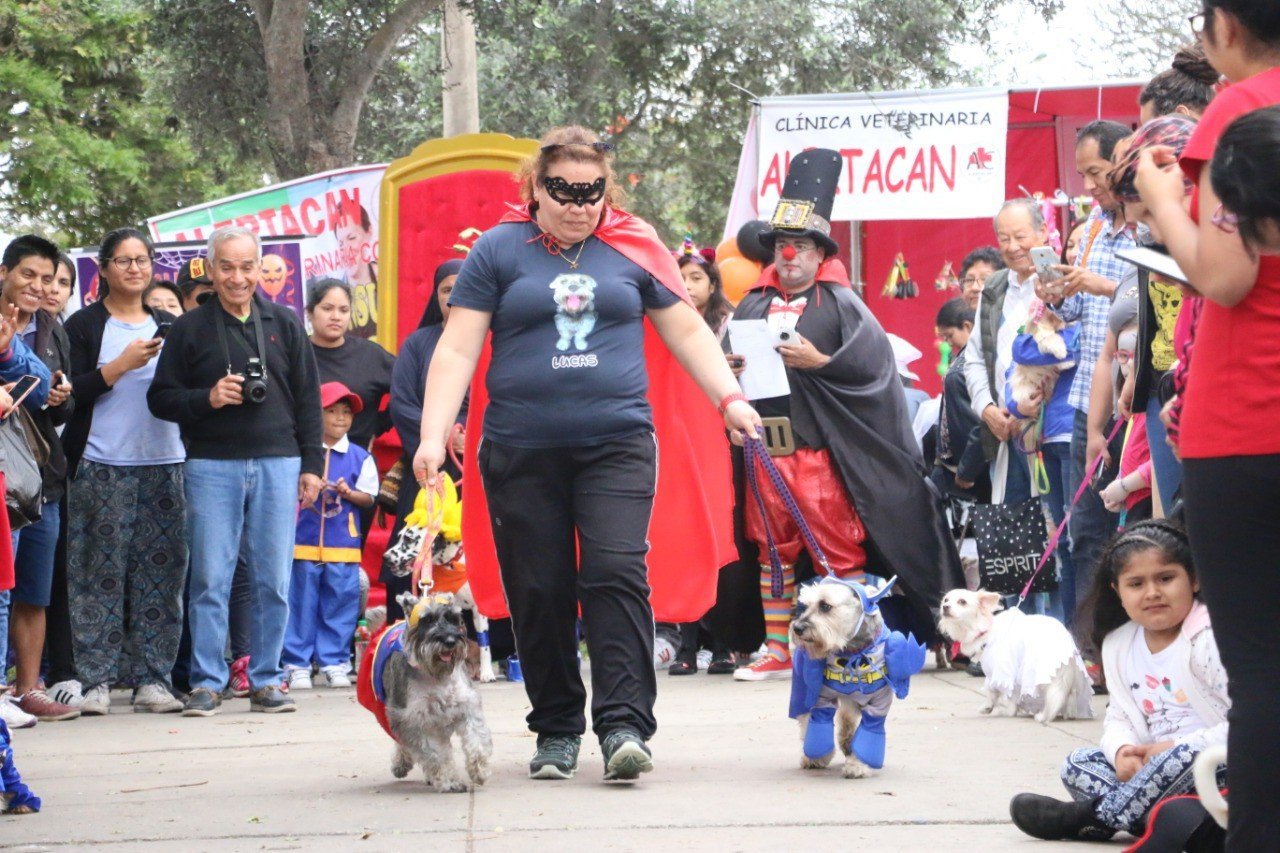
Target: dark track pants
[(571, 526), (1233, 514)]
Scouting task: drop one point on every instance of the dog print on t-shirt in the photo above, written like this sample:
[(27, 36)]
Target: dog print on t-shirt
[(575, 297)]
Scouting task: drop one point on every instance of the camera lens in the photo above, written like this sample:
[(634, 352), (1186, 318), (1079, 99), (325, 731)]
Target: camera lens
[(784, 336), (256, 391)]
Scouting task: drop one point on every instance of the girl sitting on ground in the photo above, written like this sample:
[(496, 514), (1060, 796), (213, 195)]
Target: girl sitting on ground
[(1168, 695)]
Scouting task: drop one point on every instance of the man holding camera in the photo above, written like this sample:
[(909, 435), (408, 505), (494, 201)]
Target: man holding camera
[(238, 376)]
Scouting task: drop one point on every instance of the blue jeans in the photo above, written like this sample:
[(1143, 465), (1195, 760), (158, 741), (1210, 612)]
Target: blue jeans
[(228, 498), (4, 626), (1091, 525), (1167, 467), (1057, 461)]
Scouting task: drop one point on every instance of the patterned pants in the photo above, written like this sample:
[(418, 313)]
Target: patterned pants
[(126, 567), (1125, 805)]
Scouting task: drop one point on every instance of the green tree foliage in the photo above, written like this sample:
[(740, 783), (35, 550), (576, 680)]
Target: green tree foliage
[(121, 109), (87, 146)]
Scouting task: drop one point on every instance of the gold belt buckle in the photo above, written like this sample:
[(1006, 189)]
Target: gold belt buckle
[(778, 438)]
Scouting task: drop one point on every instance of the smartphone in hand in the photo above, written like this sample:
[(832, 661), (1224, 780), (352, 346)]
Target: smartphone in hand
[(19, 392)]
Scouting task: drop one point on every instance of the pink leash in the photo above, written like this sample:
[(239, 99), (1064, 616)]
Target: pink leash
[(1057, 534)]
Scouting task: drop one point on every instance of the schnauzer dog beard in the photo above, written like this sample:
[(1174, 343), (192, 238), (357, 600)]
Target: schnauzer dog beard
[(430, 698), (831, 619)]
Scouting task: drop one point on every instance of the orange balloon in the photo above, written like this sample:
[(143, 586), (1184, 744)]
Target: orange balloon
[(737, 275), (728, 249)]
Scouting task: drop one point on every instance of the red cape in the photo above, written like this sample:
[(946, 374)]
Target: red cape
[(691, 536)]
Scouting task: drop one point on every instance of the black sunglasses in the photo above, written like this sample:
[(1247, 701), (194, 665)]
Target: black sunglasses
[(598, 147)]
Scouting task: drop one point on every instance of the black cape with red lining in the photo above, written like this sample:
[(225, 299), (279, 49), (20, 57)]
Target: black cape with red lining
[(855, 408), (691, 532)]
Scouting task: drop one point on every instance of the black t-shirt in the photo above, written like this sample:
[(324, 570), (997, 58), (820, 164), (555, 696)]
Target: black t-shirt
[(365, 368), (568, 362)]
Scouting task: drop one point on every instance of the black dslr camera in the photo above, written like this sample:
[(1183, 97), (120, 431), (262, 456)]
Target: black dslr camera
[(255, 381)]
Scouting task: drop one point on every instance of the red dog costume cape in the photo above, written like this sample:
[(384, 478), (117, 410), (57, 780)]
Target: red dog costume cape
[(693, 507)]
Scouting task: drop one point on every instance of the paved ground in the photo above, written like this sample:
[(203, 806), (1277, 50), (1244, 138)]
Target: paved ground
[(727, 779)]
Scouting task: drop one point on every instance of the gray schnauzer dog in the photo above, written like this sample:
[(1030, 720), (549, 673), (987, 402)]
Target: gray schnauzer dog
[(430, 698)]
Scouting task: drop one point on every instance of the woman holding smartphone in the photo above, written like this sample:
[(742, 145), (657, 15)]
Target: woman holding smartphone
[(127, 534)]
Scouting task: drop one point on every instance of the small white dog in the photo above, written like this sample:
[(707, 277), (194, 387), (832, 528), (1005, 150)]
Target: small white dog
[(1031, 663), (1033, 384)]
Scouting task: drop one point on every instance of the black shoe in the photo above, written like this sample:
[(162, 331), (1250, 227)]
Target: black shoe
[(1054, 820), (202, 702), (625, 755), (556, 758), (682, 667), (271, 700), (721, 666), (1181, 823), (975, 668)]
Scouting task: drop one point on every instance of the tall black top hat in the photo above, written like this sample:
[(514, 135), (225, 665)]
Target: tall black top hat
[(804, 210)]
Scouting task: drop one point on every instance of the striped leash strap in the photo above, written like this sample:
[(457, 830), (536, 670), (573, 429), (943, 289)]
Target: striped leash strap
[(756, 454)]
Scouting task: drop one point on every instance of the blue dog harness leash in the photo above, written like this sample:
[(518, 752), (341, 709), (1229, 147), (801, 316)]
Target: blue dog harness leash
[(756, 454)]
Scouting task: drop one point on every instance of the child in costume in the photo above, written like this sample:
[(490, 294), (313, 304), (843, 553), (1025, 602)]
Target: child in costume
[(871, 676), (324, 593), (1168, 691)]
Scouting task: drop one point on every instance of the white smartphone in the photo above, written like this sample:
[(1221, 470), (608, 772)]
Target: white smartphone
[(1044, 257)]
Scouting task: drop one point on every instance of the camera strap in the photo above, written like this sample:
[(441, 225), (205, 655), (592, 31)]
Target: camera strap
[(254, 317)]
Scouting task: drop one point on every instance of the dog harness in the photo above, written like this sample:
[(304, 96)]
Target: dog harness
[(371, 692)]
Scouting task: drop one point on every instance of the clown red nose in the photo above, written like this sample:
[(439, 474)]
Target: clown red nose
[(788, 253)]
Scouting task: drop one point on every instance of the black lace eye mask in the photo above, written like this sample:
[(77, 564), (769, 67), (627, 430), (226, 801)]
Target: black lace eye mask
[(581, 194)]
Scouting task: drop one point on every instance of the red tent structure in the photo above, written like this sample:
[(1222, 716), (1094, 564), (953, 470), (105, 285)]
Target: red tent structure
[(1040, 159)]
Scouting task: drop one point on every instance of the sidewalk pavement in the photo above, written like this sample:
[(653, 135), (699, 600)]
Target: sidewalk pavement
[(727, 778)]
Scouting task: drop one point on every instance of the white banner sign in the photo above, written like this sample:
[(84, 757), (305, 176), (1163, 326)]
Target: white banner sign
[(928, 155)]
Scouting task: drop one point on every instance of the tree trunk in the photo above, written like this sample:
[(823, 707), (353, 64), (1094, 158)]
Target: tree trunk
[(303, 142)]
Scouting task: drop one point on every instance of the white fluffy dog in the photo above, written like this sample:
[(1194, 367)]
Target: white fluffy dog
[(1031, 663), (1028, 380)]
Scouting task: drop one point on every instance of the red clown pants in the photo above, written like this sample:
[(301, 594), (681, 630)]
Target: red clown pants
[(830, 514)]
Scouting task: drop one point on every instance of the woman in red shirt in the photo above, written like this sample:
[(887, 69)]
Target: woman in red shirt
[(1231, 455)]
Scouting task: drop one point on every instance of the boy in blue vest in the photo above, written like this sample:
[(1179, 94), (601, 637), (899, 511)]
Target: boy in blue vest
[(324, 594)]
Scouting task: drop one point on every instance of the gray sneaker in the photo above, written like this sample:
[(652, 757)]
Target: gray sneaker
[(556, 758), (271, 700), (626, 755), (202, 702)]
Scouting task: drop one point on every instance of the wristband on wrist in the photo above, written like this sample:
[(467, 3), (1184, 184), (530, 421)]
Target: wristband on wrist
[(731, 398)]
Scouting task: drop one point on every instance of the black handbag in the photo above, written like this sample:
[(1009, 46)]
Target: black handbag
[(1012, 539), (20, 461)]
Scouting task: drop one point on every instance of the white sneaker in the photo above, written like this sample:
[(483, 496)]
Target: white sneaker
[(13, 716), (97, 702), (154, 698), (67, 692), (297, 678), (336, 676)]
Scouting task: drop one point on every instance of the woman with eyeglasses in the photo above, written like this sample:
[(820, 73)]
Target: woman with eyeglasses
[(127, 525), (565, 284), (1230, 454)]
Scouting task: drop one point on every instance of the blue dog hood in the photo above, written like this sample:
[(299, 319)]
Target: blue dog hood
[(870, 601)]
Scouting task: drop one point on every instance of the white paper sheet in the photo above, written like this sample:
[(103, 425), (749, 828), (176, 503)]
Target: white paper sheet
[(766, 375)]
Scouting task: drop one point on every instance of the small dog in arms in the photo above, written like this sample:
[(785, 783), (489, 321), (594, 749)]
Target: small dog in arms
[(847, 663), (1030, 663), (414, 681)]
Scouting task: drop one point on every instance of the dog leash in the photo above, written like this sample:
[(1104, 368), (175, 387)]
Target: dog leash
[(423, 569), (1057, 534), (756, 454)]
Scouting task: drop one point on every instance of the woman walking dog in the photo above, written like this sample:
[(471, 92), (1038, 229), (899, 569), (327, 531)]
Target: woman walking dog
[(569, 459)]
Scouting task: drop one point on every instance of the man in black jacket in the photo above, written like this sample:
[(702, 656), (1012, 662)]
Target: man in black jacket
[(239, 378), (21, 290)]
